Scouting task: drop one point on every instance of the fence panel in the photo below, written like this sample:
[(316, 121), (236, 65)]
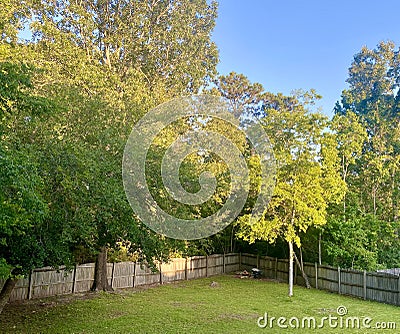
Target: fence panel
[(232, 262), (145, 276), (123, 275), (215, 265), (248, 261), (84, 277), (383, 288), (173, 270)]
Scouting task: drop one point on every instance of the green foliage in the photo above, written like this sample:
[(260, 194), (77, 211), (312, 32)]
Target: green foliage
[(366, 121), (360, 242), (26, 240), (130, 51), (372, 96), (307, 178), (104, 65), (12, 18), (244, 97)]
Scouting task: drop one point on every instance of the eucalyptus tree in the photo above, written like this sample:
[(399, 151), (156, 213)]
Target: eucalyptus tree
[(373, 97)]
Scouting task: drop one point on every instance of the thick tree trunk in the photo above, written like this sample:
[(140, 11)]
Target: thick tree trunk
[(291, 253), (100, 277), (6, 292)]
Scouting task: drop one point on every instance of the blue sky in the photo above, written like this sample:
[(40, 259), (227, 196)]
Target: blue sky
[(287, 45)]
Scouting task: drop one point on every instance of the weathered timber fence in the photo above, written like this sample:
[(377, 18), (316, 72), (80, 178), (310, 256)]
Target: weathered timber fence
[(46, 282), (377, 286)]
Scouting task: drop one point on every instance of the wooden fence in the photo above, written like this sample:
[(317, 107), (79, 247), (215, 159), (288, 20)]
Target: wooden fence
[(45, 282), (377, 286)]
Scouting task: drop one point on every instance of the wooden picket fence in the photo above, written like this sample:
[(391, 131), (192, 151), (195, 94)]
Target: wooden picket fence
[(46, 282)]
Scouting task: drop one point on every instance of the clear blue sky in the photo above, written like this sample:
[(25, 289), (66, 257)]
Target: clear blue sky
[(287, 45)]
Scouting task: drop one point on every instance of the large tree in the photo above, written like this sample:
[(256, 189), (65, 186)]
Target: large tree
[(367, 123), (105, 63)]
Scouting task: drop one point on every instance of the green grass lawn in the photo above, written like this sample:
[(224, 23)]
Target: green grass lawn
[(233, 306)]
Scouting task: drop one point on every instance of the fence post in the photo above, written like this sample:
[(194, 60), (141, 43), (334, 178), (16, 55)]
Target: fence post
[(240, 261), (398, 294), (258, 261), (134, 274), (112, 275), (316, 275), (74, 280), (30, 284), (365, 284), (206, 265), (186, 269), (339, 281), (276, 268), (161, 281), (223, 263)]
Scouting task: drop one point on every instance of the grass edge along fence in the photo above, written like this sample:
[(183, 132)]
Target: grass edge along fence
[(375, 286), (46, 282)]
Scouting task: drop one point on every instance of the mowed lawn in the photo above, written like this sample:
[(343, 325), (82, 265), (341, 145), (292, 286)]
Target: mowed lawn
[(232, 306)]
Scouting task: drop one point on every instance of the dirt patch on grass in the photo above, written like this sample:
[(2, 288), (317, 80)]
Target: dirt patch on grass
[(18, 311)]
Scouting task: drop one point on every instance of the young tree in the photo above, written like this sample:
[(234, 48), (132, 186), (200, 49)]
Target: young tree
[(308, 178)]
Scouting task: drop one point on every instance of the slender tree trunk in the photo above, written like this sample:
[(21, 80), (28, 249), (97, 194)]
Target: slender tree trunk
[(303, 273), (345, 168), (232, 238), (100, 280), (301, 258), (6, 292), (319, 248), (393, 199), (291, 268)]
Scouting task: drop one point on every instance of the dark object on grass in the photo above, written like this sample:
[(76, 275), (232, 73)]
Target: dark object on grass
[(256, 272)]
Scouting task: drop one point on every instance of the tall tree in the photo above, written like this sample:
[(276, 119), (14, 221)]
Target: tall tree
[(244, 96), (107, 63), (373, 97), (351, 136), (367, 123)]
